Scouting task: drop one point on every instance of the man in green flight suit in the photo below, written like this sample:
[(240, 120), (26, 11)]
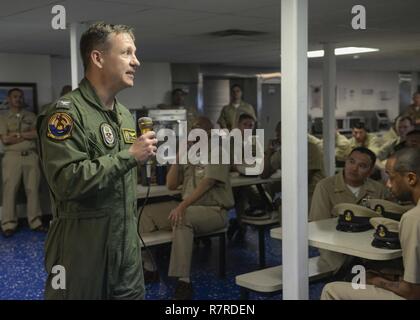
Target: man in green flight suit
[(89, 153)]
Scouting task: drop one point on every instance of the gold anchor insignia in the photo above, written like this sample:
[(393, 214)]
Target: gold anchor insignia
[(382, 232), (347, 216)]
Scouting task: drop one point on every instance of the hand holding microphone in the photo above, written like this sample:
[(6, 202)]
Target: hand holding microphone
[(145, 145), (146, 126)]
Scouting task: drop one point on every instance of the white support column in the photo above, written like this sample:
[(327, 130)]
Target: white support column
[(294, 100), (329, 93), (77, 73)]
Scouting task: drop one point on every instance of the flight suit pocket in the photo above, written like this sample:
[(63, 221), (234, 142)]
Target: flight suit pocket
[(52, 245), (81, 246), (95, 148)]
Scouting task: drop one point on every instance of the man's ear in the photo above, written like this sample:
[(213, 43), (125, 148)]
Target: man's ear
[(412, 179), (96, 58)]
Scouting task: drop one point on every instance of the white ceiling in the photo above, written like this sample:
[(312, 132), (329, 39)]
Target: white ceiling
[(176, 30)]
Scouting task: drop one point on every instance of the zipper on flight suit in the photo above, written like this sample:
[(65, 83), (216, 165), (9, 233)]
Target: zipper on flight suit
[(113, 115)]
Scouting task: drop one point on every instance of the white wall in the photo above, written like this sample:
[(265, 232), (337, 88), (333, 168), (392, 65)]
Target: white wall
[(151, 86), (28, 68), (60, 75), (383, 87)]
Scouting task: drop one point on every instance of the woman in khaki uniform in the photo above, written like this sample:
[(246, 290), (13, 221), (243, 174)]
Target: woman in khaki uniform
[(207, 195)]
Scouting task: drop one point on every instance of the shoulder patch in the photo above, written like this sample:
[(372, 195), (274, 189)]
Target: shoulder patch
[(129, 135), (60, 126), (63, 104)]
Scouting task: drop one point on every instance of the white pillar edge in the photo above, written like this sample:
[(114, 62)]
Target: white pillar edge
[(329, 93), (294, 100)]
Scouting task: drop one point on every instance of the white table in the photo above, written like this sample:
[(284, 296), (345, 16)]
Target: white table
[(323, 234), (236, 181)]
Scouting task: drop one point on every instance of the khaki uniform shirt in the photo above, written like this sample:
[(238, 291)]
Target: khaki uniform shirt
[(257, 151), (10, 122), (230, 115), (389, 136), (342, 146), (316, 171), (372, 142), (413, 112), (333, 190), (219, 195), (410, 238), (313, 139), (388, 149)]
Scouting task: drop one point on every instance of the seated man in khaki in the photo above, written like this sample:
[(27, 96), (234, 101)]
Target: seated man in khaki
[(352, 185), (247, 198), (403, 169), (272, 161), (362, 138), (206, 197), (404, 125)]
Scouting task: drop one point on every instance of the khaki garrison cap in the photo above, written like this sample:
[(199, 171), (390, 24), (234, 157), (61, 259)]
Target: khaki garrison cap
[(389, 209), (386, 233), (353, 217)]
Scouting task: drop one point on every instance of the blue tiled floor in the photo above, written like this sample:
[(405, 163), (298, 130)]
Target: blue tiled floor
[(22, 273)]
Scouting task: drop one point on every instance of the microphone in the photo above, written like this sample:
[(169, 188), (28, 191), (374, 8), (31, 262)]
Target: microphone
[(145, 125)]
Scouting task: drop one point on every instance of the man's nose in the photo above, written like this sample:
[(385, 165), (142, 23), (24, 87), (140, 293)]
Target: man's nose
[(136, 62)]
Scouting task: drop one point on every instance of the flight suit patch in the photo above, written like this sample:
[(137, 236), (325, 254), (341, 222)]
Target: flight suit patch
[(60, 125), (108, 135), (129, 135)]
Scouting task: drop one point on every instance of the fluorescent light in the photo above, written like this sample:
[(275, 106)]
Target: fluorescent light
[(316, 54), (270, 75), (353, 50), (341, 51)]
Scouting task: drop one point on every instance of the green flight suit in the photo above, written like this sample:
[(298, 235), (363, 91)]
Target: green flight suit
[(93, 180)]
